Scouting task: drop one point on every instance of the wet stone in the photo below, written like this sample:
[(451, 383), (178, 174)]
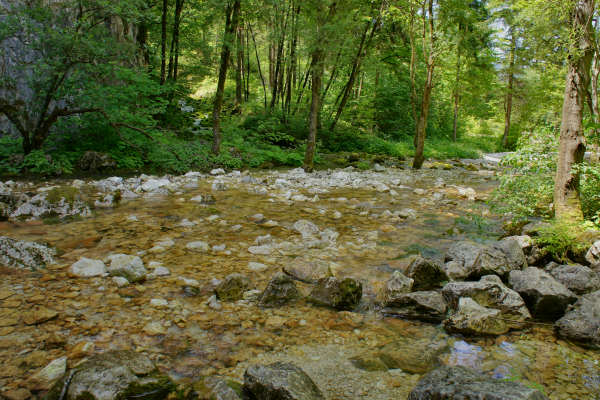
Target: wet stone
[(232, 288), (280, 291), (280, 381), (428, 306), (339, 294)]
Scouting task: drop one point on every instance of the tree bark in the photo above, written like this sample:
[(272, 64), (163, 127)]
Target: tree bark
[(163, 43), (174, 52), (239, 70), (456, 93), (262, 78), (421, 128), (231, 20), (567, 203), (508, 103)]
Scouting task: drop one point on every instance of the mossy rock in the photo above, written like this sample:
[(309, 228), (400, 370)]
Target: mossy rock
[(69, 193), (343, 295), (232, 288)]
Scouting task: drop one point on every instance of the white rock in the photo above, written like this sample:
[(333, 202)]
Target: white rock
[(154, 184), (213, 218), (198, 246), (52, 372), (161, 271), (257, 267), (120, 281), (127, 266), (217, 171), (214, 303), (264, 250), (86, 268), (189, 282), (306, 228), (197, 199), (220, 247), (159, 303)]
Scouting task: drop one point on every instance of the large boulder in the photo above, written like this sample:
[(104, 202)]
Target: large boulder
[(426, 274), (489, 292), (477, 260), (581, 322), (114, 375), (423, 306), (232, 288), (413, 356), (280, 381), (280, 291), (593, 254), (546, 297), (341, 294), (22, 254), (577, 278), (129, 267), (447, 383), (470, 318)]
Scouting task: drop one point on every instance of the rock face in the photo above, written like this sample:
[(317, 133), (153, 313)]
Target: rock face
[(86, 268), (116, 375), (545, 296), (339, 294), (280, 381), (280, 291), (423, 306), (577, 278), (472, 319), (448, 383), (593, 254), (232, 288), (427, 274), (21, 254), (489, 292), (129, 267), (477, 260), (581, 322)]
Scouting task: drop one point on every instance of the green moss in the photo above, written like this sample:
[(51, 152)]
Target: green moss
[(70, 194)]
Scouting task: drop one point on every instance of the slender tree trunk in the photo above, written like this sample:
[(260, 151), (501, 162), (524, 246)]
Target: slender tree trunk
[(508, 104), (421, 129), (567, 204), (231, 20), (174, 52), (277, 73), (262, 77), (163, 43), (360, 54), (456, 94), (142, 42), (317, 68), (239, 70), (594, 109), (247, 70), (293, 64)]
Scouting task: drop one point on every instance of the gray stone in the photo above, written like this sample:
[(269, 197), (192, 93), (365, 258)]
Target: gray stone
[(280, 381), (546, 297), (413, 356), (577, 278), (21, 254), (581, 322), (489, 292), (306, 228), (280, 291), (470, 318), (398, 285), (447, 383), (129, 267), (118, 375), (339, 294), (87, 268), (423, 306), (427, 274), (479, 260), (593, 254)]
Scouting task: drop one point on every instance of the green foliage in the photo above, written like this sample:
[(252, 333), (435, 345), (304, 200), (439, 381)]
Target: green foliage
[(40, 163), (563, 241)]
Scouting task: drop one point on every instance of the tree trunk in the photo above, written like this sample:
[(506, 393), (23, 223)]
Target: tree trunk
[(595, 158), (509, 91), (293, 64), (176, 29), (231, 20), (567, 204), (317, 68), (456, 94), (421, 129), (262, 78), (163, 43), (239, 70)]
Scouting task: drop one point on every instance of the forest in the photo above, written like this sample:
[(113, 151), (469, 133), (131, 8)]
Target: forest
[(299, 199)]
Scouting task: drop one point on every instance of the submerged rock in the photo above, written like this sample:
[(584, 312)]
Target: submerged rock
[(22, 254), (87, 268), (232, 288), (129, 267), (465, 384), (413, 357), (339, 294), (545, 296), (422, 306), (471, 318), (581, 323), (280, 291), (489, 292), (280, 381), (115, 375), (398, 285), (427, 274)]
